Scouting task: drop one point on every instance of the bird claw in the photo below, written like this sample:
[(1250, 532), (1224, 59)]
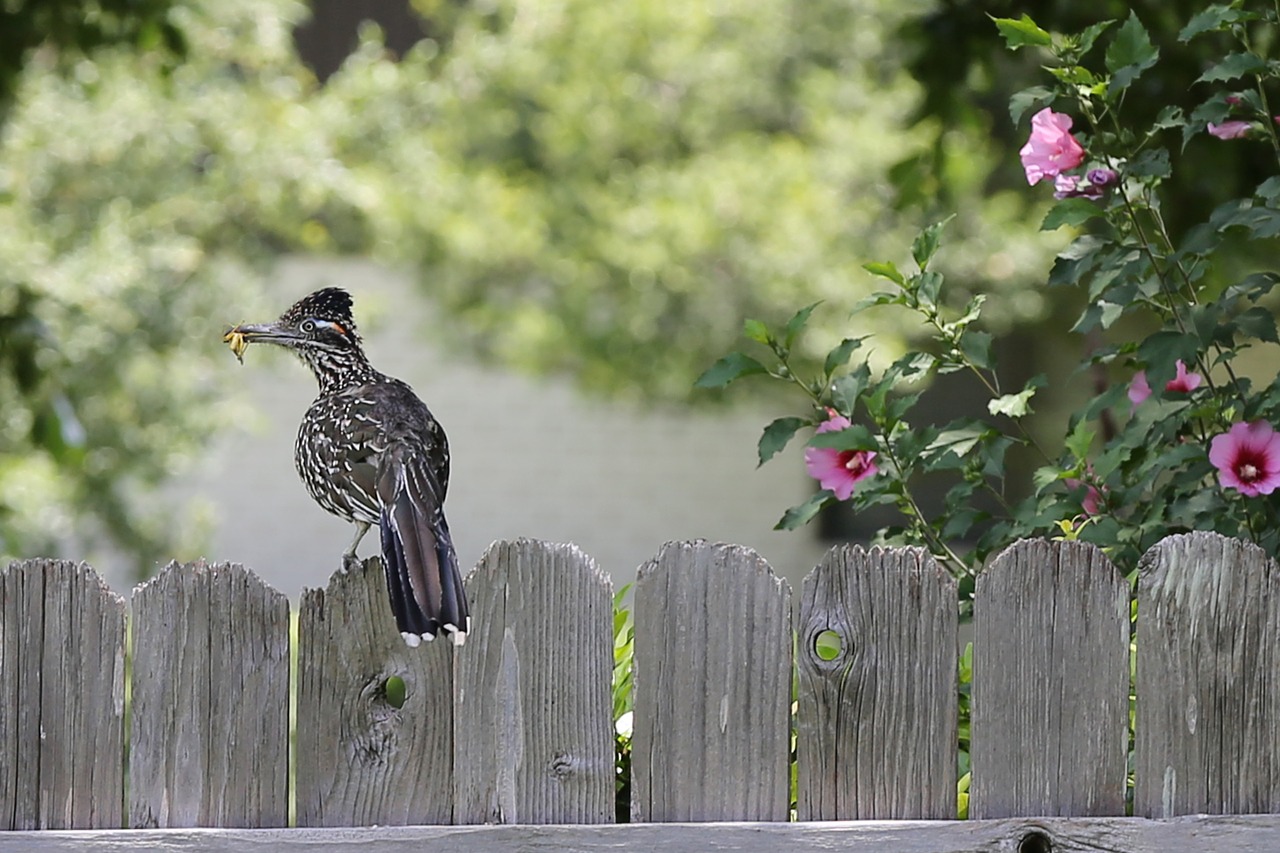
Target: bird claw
[(350, 562)]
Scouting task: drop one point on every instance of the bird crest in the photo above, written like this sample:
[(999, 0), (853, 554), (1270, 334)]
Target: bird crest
[(332, 304)]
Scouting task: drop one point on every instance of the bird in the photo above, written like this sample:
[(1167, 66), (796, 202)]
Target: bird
[(370, 452)]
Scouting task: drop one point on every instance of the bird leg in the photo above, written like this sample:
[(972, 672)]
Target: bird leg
[(349, 555)]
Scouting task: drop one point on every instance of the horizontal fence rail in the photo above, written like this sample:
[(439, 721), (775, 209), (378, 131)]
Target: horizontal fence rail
[(172, 709)]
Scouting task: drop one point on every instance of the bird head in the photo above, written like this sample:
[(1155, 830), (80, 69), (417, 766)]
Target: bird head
[(318, 324)]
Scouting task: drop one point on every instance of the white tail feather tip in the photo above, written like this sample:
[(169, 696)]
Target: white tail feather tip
[(411, 640)]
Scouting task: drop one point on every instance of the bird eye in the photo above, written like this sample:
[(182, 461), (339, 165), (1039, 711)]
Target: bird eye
[(308, 326)]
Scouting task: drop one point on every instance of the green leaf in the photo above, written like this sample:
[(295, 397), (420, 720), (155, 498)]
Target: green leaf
[(1070, 211), (929, 287), (839, 355), (1129, 54), (926, 243), (802, 514), (733, 366), (1233, 66), (1090, 34), (1260, 323), (796, 323), (1022, 32), (1035, 98), (976, 347), (957, 441), (756, 331), (886, 269), (853, 437), (1013, 405), (1080, 440), (846, 390), (776, 436), (1216, 17)]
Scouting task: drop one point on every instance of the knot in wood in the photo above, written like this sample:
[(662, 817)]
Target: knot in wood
[(562, 766)]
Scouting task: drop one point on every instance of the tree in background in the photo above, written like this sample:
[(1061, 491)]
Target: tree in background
[(602, 190)]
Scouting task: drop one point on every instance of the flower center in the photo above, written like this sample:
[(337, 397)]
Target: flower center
[(1248, 472), (853, 461)]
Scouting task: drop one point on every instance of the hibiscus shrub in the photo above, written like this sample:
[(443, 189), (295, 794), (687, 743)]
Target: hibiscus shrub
[(1199, 453)]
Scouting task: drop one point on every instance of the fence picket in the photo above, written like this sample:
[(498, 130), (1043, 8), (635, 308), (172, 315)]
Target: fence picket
[(210, 710), (61, 698), (712, 687), (360, 759), (876, 725), (1050, 683), (534, 728), (1208, 716)]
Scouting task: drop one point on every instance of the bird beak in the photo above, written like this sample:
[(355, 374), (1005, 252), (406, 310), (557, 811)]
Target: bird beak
[(239, 337)]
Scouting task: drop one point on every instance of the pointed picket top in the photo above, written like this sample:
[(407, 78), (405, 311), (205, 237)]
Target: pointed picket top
[(534, 738), (876, 725), (1207, 736), (210, 699), (712, 686), (1050, 683), (61, 697), (362, 760)]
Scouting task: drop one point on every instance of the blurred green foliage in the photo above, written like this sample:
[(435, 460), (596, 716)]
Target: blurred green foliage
[(600, 190)]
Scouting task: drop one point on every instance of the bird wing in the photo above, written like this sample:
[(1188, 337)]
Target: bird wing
[(423, 578)]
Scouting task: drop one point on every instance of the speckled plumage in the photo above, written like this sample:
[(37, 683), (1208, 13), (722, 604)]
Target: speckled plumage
[(369, 451)]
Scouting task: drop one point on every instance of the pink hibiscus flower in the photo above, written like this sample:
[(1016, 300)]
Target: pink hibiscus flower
[(1229, 129), (1051, 149), (1183, 381), (838, 470), (1247, 458), (1091, 501)]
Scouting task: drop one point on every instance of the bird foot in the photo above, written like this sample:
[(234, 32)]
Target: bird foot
[(350, 562)]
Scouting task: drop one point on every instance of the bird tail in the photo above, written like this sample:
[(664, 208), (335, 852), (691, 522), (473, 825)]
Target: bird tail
[(423, 578)]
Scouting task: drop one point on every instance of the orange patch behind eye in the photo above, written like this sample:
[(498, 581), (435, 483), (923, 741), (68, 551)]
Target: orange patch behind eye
[(338, 326)]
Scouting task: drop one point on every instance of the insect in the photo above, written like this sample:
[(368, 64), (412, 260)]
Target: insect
[(235, 339)]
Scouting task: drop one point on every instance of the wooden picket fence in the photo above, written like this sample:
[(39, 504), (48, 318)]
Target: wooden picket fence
[(165, 724)]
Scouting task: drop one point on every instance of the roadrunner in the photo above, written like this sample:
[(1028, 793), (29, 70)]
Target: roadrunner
[(369, 451)]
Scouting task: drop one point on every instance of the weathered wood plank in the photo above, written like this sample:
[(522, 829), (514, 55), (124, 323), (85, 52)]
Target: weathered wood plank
[(61, 698), (713, 643), (534, 735), (361, 760), (876, 725), (1050, 683), (210, 710), (1259, 833), (1208, 716)]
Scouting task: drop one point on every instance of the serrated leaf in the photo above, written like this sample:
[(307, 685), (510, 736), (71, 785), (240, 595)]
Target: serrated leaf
[(796, 323), (929, 287), (839, 355), (1013, 405), (1258, 322), (733, 366), (1216, 17), (1022, 32), (776, 436), (885, 269), (1090, 34), (1044, 477), (957, 441), (756, 331), (1169, 117), (846, 390), (1129, 54), (1080, 440), (802, 514), (1233, 66), (1070, 211), (926, 243)]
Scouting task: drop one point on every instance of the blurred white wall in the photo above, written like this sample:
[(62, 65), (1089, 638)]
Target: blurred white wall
[(530, 457)]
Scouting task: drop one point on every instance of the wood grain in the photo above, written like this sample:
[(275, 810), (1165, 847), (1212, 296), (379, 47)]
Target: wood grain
[(210, 701), (360, 760), (61, 698), (1208, 716), (534, 729), (1255, 833), (712, 687), (876, 725), (1050, 683)]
